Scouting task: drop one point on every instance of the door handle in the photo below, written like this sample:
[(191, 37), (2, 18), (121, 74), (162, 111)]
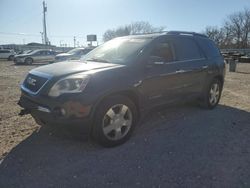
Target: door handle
[(159, 63), (179, 71), (204, 66)]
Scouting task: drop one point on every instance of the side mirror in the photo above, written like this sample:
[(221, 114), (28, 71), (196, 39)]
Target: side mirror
[(155, 60)]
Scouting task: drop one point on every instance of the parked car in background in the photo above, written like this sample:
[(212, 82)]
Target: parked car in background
[(74, 54), (36, 56), (7, 54), (245, 58), (120, 80)]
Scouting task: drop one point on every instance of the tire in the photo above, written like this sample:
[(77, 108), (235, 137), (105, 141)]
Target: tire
[(115, 120), (28, 61), (11, 58), (212, 94)]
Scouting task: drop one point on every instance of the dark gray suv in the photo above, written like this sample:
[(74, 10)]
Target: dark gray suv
[(111, 87)]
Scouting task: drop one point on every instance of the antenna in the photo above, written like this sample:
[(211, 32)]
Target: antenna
[(46, 40)]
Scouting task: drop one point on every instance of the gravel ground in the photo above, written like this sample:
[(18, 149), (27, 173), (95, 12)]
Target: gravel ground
[(181, 146)]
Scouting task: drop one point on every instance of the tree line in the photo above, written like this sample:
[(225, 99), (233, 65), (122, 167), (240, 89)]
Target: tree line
[(134, 28), (234, 32)]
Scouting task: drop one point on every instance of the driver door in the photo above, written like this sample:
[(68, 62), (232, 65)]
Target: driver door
[(161, 83)]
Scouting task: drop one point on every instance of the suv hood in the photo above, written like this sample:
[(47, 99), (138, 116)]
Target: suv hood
[(66, 68)]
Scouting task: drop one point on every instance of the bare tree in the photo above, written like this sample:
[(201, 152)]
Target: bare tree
[(237, 27), (131, 29), (109, 34), (216, 34), (234, 33), (143, 27)]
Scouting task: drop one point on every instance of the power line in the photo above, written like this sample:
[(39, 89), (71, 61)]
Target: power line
[(22, 34), (34, 34)]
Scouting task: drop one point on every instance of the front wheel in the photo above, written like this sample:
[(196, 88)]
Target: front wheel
[(114, 121), (212, 94), (28, 61)]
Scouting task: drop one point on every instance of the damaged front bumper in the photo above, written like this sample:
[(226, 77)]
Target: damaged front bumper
[(62, 112)]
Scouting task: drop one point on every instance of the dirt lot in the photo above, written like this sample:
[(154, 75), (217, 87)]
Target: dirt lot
[(179, 146)]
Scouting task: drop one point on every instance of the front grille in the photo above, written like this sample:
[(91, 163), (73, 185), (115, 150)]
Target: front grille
[(34, 82)]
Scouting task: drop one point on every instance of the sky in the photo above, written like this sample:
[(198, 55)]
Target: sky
[(21, 20)]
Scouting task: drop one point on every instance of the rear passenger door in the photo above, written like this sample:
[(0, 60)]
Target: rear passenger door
[(52, 56), (191, 65), (49, 56), (45, 56)]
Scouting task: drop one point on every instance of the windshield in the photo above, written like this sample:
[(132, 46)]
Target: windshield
[(117, 51), (33, 52), (27, 51), (74, 51)]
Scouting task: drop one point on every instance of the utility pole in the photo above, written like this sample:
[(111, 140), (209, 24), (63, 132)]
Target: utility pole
[(74, 41), (46, 41), (42, 37)]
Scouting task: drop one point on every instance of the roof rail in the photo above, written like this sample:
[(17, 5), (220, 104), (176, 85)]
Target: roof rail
[(156, 32), (186, 33)]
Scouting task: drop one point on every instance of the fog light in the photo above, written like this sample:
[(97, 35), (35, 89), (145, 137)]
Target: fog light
[(43, 109)]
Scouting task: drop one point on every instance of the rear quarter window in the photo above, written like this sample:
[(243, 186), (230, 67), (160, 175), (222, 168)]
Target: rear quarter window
[(209, 47)]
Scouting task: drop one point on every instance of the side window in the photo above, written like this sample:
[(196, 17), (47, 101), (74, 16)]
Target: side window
[(209, 47), (86, 51), (81, 52), (38, 53), (186, 49), (44, 53), (163, 50)]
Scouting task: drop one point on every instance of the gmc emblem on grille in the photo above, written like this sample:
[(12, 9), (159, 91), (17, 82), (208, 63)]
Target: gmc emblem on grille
[(31, 81)]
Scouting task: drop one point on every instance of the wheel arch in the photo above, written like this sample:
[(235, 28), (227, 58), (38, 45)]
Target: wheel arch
[(28, 57), (132, 95), (220, 78)]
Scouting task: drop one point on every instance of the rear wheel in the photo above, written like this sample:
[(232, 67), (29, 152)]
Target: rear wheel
[(212, 94), (28, 61), (114, 121)]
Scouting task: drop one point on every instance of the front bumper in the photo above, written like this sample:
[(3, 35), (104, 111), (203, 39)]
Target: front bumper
[(57, 113), (19, 60)]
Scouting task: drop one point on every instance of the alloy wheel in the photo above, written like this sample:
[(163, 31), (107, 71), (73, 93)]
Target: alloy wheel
[(117, 122), (214, 93)]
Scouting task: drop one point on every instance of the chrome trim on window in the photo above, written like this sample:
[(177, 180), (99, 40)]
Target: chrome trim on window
[(41, 74), (181, 61)]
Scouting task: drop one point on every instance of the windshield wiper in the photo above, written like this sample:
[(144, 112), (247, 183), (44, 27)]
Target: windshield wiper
[(98, 60)]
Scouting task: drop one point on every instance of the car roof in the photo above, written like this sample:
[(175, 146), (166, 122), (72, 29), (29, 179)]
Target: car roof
[(38, 50)]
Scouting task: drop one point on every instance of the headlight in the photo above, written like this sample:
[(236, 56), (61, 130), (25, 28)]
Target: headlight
[(70, 84)]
